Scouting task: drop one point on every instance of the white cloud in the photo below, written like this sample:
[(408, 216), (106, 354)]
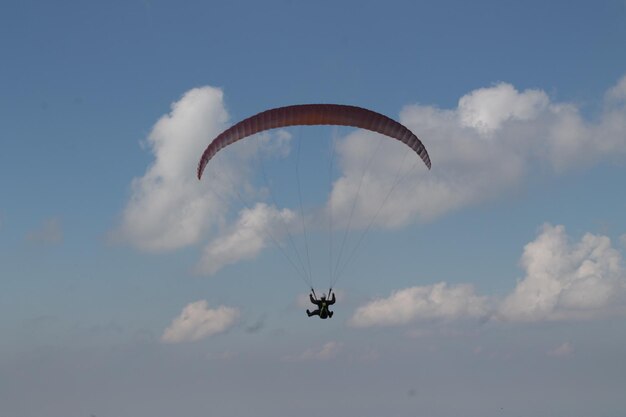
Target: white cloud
[(169, 208), (438, 301), (563, 350), (197, 321), (485, 109), (617, 93), (487, 145), (49, 233), (255, 228), (565, 280), (484, 147), (328, 351)]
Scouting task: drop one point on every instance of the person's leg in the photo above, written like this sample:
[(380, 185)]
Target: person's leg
[(313, 313)]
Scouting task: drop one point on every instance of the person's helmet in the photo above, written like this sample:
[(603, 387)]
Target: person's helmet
[(323, 296)]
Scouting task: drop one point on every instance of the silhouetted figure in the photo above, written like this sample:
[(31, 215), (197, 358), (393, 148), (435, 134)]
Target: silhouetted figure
[(322, 305)]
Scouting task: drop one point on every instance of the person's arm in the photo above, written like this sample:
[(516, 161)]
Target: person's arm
[(314, 300), (332, 300)]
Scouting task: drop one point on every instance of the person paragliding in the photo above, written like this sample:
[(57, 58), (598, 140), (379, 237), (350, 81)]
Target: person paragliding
[(309, 115), (322, 305)]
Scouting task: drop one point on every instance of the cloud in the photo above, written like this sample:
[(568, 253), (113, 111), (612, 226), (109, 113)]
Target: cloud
[(197, 321), (169, 208), (370, 355), (328, 351), (48, 234), (563, 350), (565, 280), (486, 109), (617, 93), (438, 301), (489, 143), (255, 228), (256, 325)]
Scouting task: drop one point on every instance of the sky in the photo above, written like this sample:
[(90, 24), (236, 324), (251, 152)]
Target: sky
[(493, 284)]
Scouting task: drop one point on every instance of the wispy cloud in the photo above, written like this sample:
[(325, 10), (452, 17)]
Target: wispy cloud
[(328, 351), (256, 325), (622, 240), (255, 228), (49, 233), (197, 321), (563, 350), (617, 93)]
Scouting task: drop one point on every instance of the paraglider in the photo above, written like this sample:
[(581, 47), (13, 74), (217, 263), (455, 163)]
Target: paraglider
[(314, 114), (322, 305)]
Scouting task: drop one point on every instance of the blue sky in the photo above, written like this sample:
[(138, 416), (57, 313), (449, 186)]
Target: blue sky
[(492, 285)]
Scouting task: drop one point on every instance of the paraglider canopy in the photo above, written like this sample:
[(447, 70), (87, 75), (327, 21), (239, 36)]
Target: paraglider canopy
[(318, 114), (314, 114)]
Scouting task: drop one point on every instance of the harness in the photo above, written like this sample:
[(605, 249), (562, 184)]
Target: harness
[(323, 307)]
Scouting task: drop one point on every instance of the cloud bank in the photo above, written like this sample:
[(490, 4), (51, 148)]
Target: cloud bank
[(563, 281), (494, 139), (197, 321)]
